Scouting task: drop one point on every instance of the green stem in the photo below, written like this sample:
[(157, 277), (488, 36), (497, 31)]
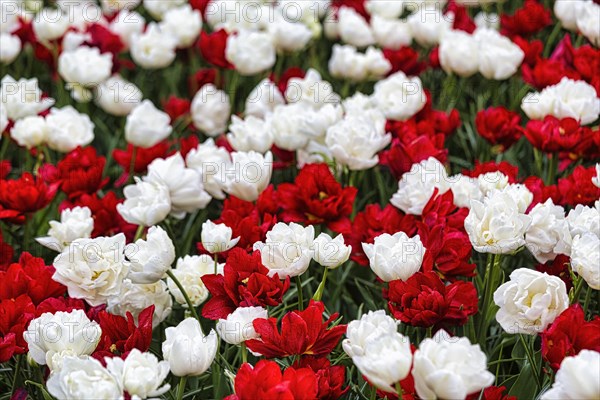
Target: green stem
[(319, 293), (184, 293), (552, 169), (17, 371), (139, 232), (244, 353), (577, 290), (27, 231), (373, 393), (399, 390), (537, 155), (300, 294), (491, 281), (5, 143), (531, 359), (586, 302), (132, 164), (233, 88), (429, 332), (216, 262), (181, 387)]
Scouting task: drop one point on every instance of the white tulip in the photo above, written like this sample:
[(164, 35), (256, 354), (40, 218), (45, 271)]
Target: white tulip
[(50, 24), (588, 21), (212, 163), (211, 110), (52, 337), (596, 179), (68, 129), (499, 57), (285, 126), (83, 68), (152, 258), (585, 258), (126, 25), (548, 235), (465, 189), (386, 360), (183, 23), (158, 8), (141, 375), (250, 134), (487, 20), (189, 271), (459, 53), (429, 24), (112, 6), (30, 132), (566, 99), (186, 348), (84, 378), (153, 49), (250, 52), (520, 194), (378, 350), (185, 184), (566, 11), (399, 97), (311, 90), (10, 47), (584, 219), (395, 256), (135, 298), (237, 327), (389, 9), (495, 225), (22, 98), (262, 100), (530, 301), (390, 33), (118, 97), (578, 378), (3, 119), (216, 238), (416, 187), (287, 250), (92, 269), (146, 203), (331, 253), (353, 28), (449, 368), (356, 139), (347, 63), (251, 175), (368, 328), (288, 35), (147, 126), (492, 181), (75, 223)]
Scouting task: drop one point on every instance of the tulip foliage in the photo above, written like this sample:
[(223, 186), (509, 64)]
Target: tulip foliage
[(300, 199)]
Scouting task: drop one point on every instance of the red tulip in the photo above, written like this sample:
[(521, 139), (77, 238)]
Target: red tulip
[(23, 196), (499, 126), (265, 381), (316, 197), (568, 335), (423, 300), (302, 332)]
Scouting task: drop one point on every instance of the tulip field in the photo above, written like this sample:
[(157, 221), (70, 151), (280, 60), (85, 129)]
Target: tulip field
[(300, 199)]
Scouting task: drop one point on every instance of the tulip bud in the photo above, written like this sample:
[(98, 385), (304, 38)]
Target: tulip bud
[(216, 238), (186, 348)]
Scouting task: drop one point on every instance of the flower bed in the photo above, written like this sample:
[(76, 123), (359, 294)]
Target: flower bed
[(299, 199)]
